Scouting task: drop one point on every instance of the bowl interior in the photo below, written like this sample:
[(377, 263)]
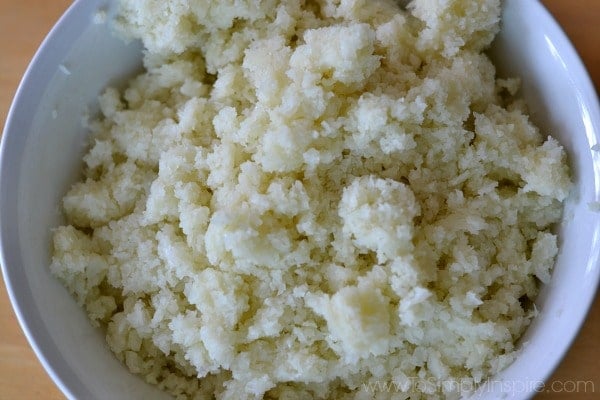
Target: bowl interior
[(44, 141)]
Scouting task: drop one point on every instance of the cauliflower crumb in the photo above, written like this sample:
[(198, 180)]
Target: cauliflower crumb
[(378, 216), (306, 199), (63, 68), (594, 206), (100, 17)]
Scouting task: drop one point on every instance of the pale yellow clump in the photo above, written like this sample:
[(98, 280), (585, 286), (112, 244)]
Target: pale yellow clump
[(303, 199)]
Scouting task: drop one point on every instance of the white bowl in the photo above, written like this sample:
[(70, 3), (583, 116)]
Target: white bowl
[(44, 141)]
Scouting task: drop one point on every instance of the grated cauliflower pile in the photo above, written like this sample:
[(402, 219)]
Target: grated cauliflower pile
[(300, 199)]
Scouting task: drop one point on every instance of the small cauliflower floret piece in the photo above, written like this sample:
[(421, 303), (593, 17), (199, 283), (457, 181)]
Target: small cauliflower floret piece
[(265, 64), (222, 163), (100, 154), (94, 203), (193, 222), (141, 134), (185, 329), (137, 267), (454, 91), (514, 145), (174, 252), (282, 147), (345, 53), (179, 25), (233, 237), (101, 308), (243, 239), (78, 263), (415, 307), (453, 25), (301, 364), (378, 215), (375, 127), (543, 253), (545, 171), (360, 10), (283, 196), (161, 203), (232, 87), (266, 321), (220, 296), (176, 192), (359, 318), (170, 33)]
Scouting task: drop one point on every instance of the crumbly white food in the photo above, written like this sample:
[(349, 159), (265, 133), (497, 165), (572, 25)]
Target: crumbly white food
[(300, 199)]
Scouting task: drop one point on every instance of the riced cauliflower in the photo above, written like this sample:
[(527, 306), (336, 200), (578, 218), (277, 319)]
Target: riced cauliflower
[(309, 199)]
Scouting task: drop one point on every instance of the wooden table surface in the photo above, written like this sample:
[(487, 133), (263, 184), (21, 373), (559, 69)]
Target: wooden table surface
[(24, 23)]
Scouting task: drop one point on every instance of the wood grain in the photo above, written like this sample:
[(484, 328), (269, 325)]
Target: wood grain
[(24, 23)]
